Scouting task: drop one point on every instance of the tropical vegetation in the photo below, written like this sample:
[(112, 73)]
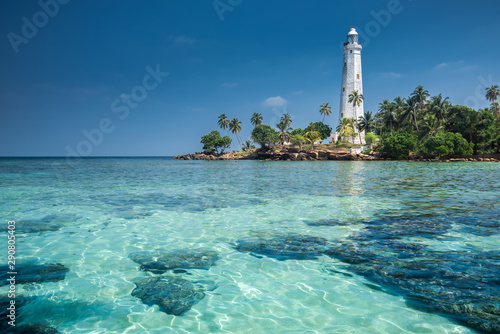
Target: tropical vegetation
[(214, 142), (419, 124)]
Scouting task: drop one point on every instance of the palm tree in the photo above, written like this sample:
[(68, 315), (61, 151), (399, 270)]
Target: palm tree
[(492, 93), (284, 133), (235, 127), (420, 94), (346, 127), (431, 126), (495, 107), (366, 122), (411, 111), (439, 107), (312, 136), (325, 110), (356, 99), (256, 119), (386, 110), (287, 120), (247, 146), (399, 108), (223, 123)]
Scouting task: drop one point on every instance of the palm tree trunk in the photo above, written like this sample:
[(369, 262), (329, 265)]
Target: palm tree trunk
[(232, 141), (415, 116)]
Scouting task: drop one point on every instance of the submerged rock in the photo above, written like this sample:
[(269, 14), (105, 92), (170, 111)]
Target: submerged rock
[(460, 285), (327, 222), (159, 261), (35, 329), (48, 223), (34, 273), (20, 303), (298, 247), (174, 295)]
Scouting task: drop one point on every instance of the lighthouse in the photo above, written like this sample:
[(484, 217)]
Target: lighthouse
[(352, 80)]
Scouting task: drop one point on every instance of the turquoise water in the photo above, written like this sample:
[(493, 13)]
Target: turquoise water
[(410, 247)]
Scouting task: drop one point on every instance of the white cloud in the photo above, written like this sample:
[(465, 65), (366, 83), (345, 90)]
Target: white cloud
[(454, 66), (229, 84), (183, 39), (391, 75), (276, 101)]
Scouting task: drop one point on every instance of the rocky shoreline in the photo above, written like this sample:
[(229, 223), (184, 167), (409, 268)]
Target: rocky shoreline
[(324, 153)]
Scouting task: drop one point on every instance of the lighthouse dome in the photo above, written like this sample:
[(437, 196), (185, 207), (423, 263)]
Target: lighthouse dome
[(352, 32)]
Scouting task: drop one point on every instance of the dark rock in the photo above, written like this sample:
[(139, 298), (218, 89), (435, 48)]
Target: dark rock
[(299, 247), (35, 329), (174, 295), (460, 285), (20, 303), (159, 261), (35, 273), (327, 222), (47, 223)]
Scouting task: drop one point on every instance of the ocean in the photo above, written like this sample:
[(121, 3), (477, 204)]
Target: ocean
[(155, 245)]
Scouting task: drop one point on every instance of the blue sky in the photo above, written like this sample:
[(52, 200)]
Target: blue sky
[(75, 71)]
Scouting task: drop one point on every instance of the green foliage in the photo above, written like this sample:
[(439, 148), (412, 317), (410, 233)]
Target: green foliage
[(265, 136), (215, 142), (247, 146), (312, 137), (370, 138), (298, 140), (447, 143), (298, 131), (284, 130), (346, 128), (398, 146), (325, 110), (323, 129), (430, 116), (256, 118)]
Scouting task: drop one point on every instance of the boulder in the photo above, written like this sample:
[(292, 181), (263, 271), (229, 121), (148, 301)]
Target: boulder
[(34, 273), (323, 155), (293, 246), (174, 295), (159, 261)]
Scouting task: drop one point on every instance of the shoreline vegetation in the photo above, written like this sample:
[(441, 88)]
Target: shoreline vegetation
[(325, 152), (420, 127)]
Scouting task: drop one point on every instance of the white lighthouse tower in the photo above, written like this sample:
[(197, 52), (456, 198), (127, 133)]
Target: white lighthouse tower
[(352, 80)]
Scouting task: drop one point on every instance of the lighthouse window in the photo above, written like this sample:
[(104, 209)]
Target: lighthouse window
[(357, 76), (341, 114), (345, 64), (351, 51), (343, 89)]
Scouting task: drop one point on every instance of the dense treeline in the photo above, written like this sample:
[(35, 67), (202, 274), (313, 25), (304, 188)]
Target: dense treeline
[(423, 124), (419, 124)]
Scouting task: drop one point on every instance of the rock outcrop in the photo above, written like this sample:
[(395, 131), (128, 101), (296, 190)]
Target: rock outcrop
[(159, 261), (284, 153)]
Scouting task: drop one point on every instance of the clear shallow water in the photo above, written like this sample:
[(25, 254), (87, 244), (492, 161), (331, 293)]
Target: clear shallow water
[(444, 218)]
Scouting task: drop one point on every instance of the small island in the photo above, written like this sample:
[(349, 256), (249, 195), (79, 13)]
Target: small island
[(416, 128)]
